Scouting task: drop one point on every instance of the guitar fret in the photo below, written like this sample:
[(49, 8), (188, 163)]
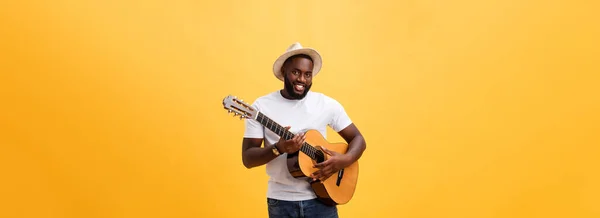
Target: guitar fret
[(268, 124), (273, 126), (262, 119)]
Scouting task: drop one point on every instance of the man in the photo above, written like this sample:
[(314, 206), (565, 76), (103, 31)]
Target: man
[(299, 109)]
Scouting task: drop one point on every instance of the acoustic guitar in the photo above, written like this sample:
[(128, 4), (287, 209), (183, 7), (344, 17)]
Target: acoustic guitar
[(338, 188)]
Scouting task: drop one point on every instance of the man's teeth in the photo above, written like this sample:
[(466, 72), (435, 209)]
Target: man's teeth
[(299, 86)]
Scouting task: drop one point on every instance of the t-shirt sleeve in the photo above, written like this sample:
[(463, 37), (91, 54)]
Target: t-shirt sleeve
[(253, 129), (339, 117)]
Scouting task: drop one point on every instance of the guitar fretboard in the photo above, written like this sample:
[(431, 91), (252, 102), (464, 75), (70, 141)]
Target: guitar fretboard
[(307, 149)]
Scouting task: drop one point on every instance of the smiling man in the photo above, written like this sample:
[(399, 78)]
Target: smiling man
[(300, 109)]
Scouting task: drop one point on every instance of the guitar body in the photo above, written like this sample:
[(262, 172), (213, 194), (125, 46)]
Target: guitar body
[(339, 187)]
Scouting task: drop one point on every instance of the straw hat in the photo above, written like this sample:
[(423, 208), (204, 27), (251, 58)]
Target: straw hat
[(295, 49)]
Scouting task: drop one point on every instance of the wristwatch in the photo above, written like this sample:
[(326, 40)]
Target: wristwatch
[(275, 150)]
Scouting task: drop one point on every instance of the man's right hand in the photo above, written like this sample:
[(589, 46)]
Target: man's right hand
[(291, 146)]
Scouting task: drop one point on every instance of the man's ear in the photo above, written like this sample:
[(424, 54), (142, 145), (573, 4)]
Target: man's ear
[(282, 71)]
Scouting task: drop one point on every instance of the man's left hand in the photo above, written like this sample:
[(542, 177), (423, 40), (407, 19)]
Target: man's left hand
[(332, 165)]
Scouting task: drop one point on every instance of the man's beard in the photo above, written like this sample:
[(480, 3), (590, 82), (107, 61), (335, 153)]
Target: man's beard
[(289, 88)]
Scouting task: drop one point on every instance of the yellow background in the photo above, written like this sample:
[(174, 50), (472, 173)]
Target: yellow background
[(469, 108)]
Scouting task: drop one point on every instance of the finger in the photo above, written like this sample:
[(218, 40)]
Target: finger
[(320, 176), (325, 174), (298, 140), (287, 128), (322, 164), (283, 140), (327, 151), (316, 174)]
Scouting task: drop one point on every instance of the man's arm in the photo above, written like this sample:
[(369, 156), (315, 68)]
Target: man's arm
[(356, 147), (356, 143), (253, 155)]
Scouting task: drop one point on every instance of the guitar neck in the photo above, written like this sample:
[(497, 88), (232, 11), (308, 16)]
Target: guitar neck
[(267, 122)]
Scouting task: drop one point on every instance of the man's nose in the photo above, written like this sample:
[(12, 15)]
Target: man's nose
[(301, 78)]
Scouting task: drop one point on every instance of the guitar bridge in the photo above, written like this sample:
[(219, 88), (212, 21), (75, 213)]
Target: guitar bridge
[(339, 177)]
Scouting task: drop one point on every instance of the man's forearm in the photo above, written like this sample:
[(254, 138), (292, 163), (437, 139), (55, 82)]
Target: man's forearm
[(257, 156), (356, 147)]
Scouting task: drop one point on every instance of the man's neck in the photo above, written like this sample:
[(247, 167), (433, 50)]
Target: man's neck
[(287, 95)]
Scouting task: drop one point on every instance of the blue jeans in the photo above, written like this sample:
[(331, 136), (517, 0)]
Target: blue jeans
[(307, 209)]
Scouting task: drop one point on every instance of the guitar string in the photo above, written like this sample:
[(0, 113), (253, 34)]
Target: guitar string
[(310, 151)]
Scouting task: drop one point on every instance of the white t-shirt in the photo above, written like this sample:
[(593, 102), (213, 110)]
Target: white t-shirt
[(315, 111)]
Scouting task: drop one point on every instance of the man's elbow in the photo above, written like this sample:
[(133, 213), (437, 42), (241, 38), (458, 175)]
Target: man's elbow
[(247, 163), (364, 147)]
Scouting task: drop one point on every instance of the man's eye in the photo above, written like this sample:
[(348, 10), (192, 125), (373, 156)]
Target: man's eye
[(307, 75), (295, 72)]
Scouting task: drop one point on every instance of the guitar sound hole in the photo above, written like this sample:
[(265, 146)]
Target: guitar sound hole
[(320, 156)]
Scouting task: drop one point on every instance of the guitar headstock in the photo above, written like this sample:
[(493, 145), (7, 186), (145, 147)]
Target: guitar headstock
[(239, 108)]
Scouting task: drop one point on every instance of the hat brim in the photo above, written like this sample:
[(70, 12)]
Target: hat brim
[(313, 54)]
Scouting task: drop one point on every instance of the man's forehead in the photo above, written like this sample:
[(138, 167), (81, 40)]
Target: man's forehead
[(300, 61)]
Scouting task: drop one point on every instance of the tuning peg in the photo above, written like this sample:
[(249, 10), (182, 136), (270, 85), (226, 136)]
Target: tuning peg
[(241, 117), (228, 111)]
